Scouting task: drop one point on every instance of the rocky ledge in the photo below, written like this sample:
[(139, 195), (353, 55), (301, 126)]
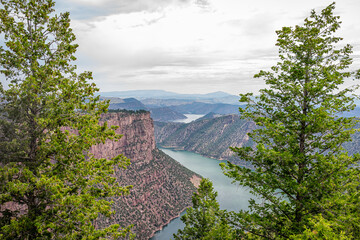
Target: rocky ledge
[(162, 188)]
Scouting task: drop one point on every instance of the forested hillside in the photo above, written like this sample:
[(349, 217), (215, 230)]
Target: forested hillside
[(212, 136), (205, 108), (162, 187), (209, 137)]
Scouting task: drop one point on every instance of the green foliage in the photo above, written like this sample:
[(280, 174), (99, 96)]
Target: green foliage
[(300, 167), (51, 187), (322, 229), (205, 220)]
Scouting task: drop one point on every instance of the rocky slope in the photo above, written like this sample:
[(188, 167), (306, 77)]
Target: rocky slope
[(212, 135), (126, 103), (205, 108), (165, 114), (162, 188), (209, 137), (353, 147)]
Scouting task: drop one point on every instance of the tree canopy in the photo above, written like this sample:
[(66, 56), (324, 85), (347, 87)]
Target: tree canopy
[(205, 220), (51, 186), (301, 172)]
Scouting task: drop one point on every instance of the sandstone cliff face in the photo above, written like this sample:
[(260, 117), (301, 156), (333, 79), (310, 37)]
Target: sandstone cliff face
[(137, 142), (209, 137), (165, 114), (162, 188)]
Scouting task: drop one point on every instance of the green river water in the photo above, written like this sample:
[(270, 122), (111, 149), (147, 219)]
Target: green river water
[(230, 196)]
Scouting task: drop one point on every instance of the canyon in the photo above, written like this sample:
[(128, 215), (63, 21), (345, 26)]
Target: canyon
[(214, 134), (210, 137), (162, 188)]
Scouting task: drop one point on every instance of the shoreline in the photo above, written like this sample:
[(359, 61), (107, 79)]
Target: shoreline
[(221, 159), (161, 228), (202, 154), (196, 181)]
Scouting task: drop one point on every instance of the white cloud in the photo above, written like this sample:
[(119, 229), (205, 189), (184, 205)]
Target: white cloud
[(189, 45), (85, 9)]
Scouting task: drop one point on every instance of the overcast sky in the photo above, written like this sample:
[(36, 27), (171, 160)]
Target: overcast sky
[(190, 46)]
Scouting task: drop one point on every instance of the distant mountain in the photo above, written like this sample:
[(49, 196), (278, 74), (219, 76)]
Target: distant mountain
[(155, 103), (353, 147), (162, 114), (353, 113), (216, 97), (112, 99), (218, 94), (128, 104), (211, 115), (205, 108), (208, 137), (139, 94), (165, 114)]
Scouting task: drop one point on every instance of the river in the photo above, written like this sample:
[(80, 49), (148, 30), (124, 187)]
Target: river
[(230, 196), (189, 118)]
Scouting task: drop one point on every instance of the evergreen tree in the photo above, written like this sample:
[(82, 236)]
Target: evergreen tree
[(300, 168), (51, 187), (320, 228), (205, 220)]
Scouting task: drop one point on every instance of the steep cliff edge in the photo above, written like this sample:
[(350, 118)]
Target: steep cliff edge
[(208, 137), (162, 187), (212, 137)]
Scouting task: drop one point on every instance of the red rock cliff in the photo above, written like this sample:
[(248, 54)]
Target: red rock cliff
[(162, 187), (137, 142)]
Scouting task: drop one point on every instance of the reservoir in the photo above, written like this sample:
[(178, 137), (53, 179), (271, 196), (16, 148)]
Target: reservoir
[(230, 196), (190, 118)]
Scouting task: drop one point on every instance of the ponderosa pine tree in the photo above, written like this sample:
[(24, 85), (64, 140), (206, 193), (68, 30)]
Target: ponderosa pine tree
[(300, 168), (51, 187), (204, 220)]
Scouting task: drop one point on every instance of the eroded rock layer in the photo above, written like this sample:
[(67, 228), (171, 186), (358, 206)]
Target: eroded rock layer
[(208, 137), (162, 188)]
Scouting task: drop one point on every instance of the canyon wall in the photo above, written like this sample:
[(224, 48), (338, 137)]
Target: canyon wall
[(162, 187), (208, 137)]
